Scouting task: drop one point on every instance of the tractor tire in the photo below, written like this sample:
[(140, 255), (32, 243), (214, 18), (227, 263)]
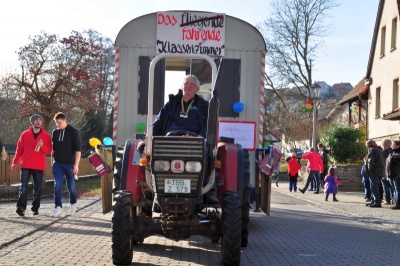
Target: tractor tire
[(122, 229), (118, 168), (246, 200), (231, 229)]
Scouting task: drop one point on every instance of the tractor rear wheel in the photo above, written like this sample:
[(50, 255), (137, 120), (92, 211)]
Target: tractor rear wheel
[(231, 229), (246, 200), (122, 228)]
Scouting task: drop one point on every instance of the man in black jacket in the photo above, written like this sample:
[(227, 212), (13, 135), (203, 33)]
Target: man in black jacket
[(375, 168), (184, 111), (65, 161), (393, 172)]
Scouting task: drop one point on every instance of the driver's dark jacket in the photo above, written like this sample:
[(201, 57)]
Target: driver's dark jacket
[(163, 121)]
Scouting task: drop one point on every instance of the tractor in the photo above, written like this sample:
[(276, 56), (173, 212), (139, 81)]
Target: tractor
[(162, 189)]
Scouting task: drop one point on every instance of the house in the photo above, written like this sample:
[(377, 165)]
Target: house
[(383, 73), (376, 97)]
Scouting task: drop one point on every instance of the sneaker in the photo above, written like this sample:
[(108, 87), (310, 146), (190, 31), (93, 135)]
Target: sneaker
[(395, 207), (57, 212), (72, 209), (316, 192), (35, 212), (20, 211), (387, 202), (302, 191)]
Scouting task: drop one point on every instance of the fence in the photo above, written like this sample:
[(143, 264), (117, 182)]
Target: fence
[(9, 177)]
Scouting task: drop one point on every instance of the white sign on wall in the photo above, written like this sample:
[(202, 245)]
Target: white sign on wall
[(244, 132), (181, 32)]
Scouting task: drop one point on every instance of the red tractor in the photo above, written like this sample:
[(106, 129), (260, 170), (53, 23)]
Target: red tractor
[(162, 191)]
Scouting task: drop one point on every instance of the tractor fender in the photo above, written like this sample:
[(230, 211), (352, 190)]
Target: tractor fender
[(230, 177)]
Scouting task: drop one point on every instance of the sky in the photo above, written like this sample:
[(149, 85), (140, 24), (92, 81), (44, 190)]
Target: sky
[(343, 58)]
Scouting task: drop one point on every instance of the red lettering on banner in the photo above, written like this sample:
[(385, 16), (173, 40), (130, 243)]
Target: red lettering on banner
[(166, 20), (204, 35)]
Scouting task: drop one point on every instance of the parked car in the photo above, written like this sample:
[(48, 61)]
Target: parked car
[(298, 151)]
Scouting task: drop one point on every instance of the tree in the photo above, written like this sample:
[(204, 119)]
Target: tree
[(57, 75), (345, 143), (293, 36)]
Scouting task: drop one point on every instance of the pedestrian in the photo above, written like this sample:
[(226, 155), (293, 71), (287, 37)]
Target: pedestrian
[(331, 184), (393, 173), (293, 169), (388, 191), (32, 147), (65, 161), (375, 167), (323, 152), (367, 185), (315, 166)]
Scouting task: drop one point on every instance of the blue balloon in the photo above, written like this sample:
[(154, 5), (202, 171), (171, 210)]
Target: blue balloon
[(238, 107), (107, 141)]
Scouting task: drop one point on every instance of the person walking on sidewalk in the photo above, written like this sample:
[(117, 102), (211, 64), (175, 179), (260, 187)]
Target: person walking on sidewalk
[(331, 184), (323, 152), (316, 167), (65, 160), (293, 169), (32, 147), (387, 188), (375, 168), (393, 172)]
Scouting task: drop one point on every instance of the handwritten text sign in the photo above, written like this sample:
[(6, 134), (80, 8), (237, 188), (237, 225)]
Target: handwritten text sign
[(191, 33), (244, 133)]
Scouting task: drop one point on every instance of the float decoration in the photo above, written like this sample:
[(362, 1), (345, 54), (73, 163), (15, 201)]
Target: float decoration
[(308, 106)]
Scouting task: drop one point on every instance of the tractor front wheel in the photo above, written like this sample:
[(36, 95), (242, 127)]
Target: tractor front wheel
[(122, 228), (231, 229)]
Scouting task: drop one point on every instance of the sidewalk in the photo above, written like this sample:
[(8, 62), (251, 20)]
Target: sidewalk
[(351, 204), (14, 227)]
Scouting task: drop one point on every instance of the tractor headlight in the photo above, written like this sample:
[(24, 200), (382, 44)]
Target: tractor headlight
[(161, 166), (193, 167)]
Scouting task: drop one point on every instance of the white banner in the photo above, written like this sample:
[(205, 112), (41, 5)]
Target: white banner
[(191, 33)]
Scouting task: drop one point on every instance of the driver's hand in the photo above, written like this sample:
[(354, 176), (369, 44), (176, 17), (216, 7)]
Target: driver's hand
[(141, 145)]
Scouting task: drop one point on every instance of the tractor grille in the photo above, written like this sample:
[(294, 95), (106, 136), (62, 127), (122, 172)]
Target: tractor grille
[(179, 148)]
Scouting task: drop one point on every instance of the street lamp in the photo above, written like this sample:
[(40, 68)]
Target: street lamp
[(315, 91)]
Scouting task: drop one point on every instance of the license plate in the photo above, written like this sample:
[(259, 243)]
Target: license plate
[(177, 186)]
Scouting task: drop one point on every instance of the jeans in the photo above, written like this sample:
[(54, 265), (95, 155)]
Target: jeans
[(292, 185), (313, 175), (374, 182), (387, 189), (395, 182), (37, 177), (59, 170), (367, 189)]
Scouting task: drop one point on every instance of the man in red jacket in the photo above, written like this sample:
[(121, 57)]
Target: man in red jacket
[(32, 147), (315, 166)]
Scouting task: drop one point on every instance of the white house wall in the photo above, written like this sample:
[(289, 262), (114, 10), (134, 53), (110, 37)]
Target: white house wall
[(384, 71)]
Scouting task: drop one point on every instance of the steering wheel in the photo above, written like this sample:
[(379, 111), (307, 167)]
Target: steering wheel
[(181, 133)]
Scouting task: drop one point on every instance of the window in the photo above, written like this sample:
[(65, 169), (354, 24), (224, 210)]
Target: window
[(394, 34), (378, 103), (395, 93), (383, 36)]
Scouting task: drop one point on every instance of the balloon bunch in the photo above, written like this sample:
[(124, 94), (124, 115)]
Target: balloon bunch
[(307, 107)]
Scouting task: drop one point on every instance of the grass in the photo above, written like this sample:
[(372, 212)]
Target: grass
[(86, 188)]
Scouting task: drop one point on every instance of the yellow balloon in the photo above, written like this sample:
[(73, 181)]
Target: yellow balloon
[(94, 142)]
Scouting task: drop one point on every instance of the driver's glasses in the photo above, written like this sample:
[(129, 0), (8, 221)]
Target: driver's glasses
[(189, 84)]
